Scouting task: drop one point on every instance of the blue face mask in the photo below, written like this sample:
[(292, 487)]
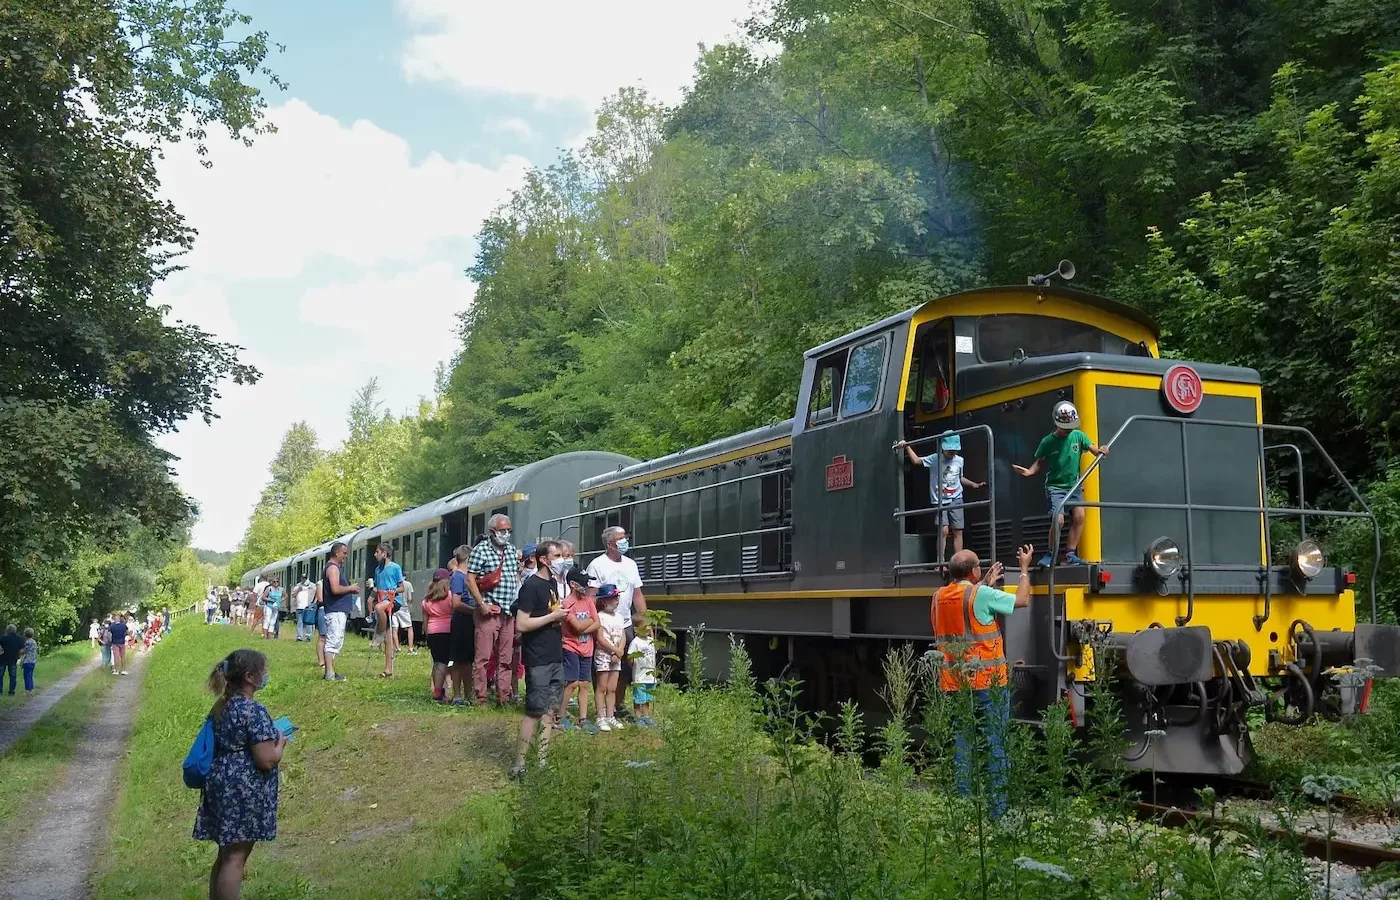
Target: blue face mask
[(267, 676), (623, 546)]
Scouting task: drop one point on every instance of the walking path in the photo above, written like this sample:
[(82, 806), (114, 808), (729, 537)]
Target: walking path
[(15, 722), (53, 861)]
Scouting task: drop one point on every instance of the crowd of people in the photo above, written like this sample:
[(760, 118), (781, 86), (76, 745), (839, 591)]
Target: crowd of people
[(121, 634)]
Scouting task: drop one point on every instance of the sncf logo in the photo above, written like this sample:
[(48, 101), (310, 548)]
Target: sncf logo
[(1181, 388)]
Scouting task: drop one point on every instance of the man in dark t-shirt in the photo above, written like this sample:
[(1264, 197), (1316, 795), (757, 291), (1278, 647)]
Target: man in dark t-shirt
[(462, 646), (11, 646), (538, 621)]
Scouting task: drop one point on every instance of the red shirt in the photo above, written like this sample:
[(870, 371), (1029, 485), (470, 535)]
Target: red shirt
[(437, 616), (582, 610)]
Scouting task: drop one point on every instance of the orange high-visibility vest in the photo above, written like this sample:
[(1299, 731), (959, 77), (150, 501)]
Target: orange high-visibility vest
[(983, 662)]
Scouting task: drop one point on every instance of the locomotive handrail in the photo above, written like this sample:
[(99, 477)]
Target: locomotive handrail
[(990, 502), (1298, 454), (699, 513), (1056, 637)]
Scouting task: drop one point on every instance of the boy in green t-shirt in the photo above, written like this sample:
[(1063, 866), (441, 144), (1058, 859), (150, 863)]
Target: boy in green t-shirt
[(1059, 454)]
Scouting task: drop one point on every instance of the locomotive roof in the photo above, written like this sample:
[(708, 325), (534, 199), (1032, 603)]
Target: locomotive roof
[(762, 434), (1093, 300)]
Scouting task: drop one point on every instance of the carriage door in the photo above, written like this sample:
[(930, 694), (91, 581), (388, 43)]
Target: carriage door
[(928, 410)]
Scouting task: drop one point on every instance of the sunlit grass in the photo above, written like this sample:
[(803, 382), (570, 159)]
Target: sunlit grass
[(380, 790)]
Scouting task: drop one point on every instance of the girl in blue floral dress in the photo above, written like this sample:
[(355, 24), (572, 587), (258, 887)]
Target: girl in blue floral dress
[(238, 805)]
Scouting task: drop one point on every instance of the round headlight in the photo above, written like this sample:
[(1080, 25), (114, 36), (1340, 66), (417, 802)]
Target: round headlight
[(1307, 558), (1164, 557)]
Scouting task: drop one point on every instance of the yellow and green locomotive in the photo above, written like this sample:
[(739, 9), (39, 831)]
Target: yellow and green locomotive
[(820, 546)]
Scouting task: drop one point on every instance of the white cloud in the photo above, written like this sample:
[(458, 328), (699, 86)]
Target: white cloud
[(317, 189), (563, 49), (513, 125)]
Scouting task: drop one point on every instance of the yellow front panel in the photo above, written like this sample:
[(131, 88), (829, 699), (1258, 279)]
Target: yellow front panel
[(1228, 616)]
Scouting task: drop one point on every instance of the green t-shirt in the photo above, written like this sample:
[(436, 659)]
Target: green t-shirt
[(990, 602), (1062, 454)]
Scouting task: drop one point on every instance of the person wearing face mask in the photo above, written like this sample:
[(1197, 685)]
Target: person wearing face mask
[(615, 568), (493, 580), (238, 802), (560, 567)]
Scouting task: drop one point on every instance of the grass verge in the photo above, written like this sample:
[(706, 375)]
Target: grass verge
[(33, 765), (381, 791), (52, 666)]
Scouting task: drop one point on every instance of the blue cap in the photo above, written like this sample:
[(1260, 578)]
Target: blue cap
[(607, 592), (530, 549), (951, 441)]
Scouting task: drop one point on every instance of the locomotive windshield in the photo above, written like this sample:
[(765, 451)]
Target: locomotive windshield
[(999, 337)]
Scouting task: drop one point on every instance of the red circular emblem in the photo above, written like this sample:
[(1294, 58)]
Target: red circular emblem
[(1181, 388)]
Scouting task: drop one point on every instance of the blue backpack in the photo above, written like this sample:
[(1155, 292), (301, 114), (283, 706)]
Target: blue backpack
[(201, 755)]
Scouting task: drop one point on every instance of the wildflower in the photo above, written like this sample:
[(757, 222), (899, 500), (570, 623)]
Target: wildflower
[(1323, 788), (1153, 734), (1049, 870)]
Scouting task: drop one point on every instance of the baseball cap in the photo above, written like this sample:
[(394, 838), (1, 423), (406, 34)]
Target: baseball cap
[(951, 441), (607, 591), (580, 577), (530, 549), (441, 575)]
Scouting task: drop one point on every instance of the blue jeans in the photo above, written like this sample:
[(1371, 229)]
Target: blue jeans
[(12, 669), (29, 676), (991, 714)]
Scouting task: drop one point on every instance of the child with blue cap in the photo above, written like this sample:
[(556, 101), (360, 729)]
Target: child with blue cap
[(945, 485)]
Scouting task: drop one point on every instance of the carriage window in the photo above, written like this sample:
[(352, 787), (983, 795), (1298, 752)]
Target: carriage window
[(432, 552), (999, 337), (418, 548), (934, 393), (864, 373), (830, 373)]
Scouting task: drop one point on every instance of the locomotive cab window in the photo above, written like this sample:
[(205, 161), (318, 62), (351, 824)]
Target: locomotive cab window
[(865, 371), (831, 372), (1005, 337)]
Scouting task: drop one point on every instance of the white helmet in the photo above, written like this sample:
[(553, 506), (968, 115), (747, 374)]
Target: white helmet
[(1065, 415)]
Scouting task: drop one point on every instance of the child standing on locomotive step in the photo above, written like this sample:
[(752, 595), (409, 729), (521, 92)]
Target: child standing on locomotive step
[(607, 656), (642, 653), (1059, 454), (945, 486), (238, 803)]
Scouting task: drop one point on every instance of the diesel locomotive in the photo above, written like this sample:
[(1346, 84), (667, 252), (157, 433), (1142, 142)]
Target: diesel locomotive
[(811, 539)]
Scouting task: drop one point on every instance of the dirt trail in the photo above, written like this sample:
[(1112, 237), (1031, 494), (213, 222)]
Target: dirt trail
[(15, 722), (53, 859)]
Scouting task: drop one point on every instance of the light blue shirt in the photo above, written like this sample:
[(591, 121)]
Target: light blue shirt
[(990, 602), (388, 578)]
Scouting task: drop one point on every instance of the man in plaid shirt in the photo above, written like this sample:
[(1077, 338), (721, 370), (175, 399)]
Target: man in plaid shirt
[(495, 608)]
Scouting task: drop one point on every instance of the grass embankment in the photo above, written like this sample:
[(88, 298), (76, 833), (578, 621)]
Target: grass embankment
[(381, 788), (53, 665), (35, 763)]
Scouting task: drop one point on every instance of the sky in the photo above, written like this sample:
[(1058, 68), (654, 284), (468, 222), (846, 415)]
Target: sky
[(334, 250)]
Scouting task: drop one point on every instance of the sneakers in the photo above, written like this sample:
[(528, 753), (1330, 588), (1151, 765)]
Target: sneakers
[(1073, 559), (565, 725), (412, 651), (1046, 562), (332, 677), (603, 724), (125, 672), (517, 773), (613, 721), (646, 722), (588, 726)]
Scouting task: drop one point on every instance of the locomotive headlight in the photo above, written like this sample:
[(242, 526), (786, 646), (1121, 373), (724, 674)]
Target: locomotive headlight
[(1164, 557), (1307, 559)]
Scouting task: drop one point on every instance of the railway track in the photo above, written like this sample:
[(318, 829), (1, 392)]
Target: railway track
[(1359, 855)]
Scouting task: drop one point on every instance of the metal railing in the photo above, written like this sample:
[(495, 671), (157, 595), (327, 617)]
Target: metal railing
[(1057, 634), (990, 502), (666, 543)]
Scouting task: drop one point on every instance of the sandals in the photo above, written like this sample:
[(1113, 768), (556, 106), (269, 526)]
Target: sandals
[(386, 674)]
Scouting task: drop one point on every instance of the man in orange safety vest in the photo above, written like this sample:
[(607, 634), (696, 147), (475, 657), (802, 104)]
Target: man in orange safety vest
[(966, 632)]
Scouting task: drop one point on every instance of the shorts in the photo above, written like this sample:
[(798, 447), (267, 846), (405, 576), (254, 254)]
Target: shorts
[(642, 693), (335, 631), (603, 661), (1054, 495), (321, 622), (544, 688), (381, 596), (577, 668), (462, 649), (953, 518), (440, 647), (403, 618)]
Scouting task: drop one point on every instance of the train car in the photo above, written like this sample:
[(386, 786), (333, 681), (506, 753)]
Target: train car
[(249, 579), (815, 539), (424, 536)]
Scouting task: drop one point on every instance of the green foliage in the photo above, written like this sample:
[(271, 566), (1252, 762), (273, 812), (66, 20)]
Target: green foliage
[(90, 371)]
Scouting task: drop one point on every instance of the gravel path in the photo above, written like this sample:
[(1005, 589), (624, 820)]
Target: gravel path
[(15, 722), (54, 857)]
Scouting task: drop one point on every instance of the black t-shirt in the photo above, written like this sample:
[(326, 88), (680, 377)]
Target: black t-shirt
[(11, 646), (543, 645)]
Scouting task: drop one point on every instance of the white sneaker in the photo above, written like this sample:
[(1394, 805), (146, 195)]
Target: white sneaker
[(125, 672), (617, 726), (603, 724)]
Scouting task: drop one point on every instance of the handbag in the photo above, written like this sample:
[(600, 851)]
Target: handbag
[(201, 756), (489, 581)]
